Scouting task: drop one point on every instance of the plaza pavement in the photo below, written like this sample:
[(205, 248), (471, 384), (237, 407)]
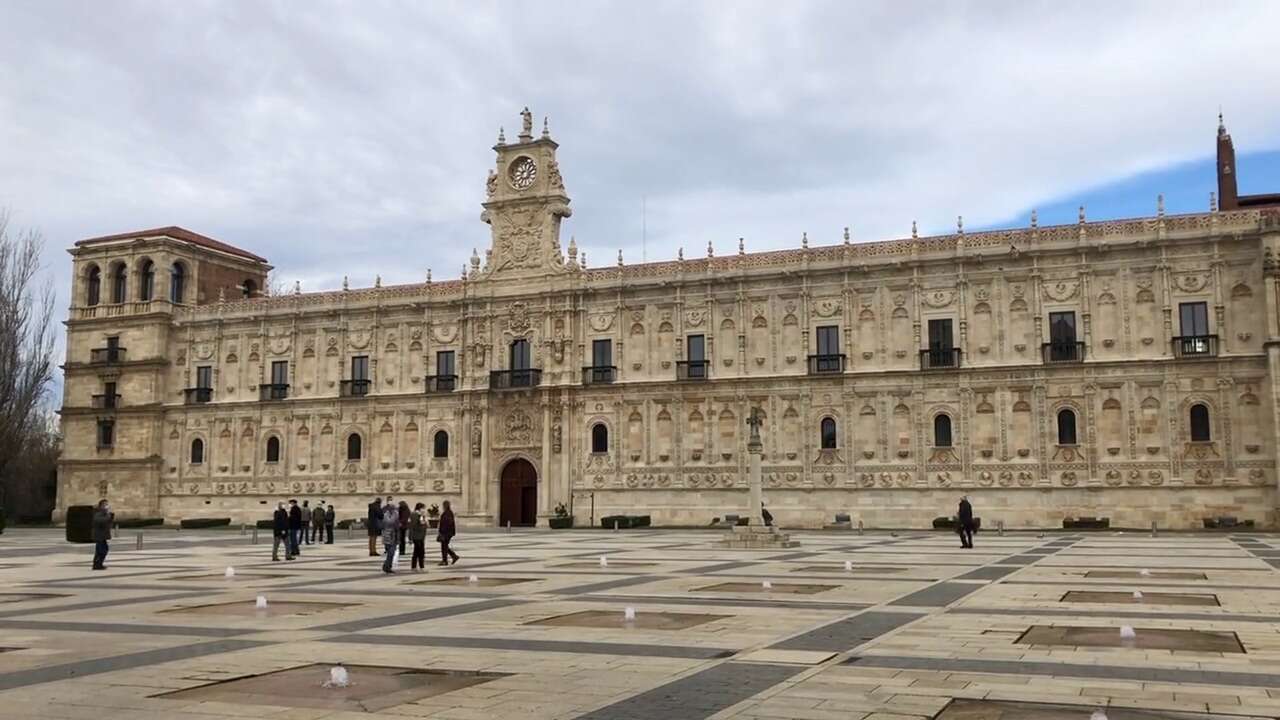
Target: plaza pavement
[(919, 628)]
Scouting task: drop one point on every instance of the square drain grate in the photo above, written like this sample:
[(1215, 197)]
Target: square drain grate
[(373, 687), (1147, 598), (1145, 638), (480, 581), (1002, 710), (614, 619), (248, 608), (777, 588), (1136, 575)]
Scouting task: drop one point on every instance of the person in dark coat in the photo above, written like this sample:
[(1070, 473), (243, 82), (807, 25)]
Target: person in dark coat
[(102, 519), (295, 527), (402, 523), (766, 515), (374, 525), (390, 535), (317, 522), (448, 528), (280, 533), (306, 522), (418, 534), (964, 523), (329, 516)]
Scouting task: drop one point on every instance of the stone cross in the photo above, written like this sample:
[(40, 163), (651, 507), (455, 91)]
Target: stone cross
[(754, 421)]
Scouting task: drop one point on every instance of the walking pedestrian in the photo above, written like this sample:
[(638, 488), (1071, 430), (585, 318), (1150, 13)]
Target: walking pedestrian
[(280, 533), (448, 528), (295, 528), (402, 522), (317, 523), (374, 524), (102, 519), (964, 523), (418, 534), (329, 516), (306, 522), (390, 535)]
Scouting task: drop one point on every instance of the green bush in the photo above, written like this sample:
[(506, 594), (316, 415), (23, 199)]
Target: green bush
[(621, 522), (639, 521), (197, 523), (267, 524), (349, 522), (139, 523), (560, 522), (80, 524)]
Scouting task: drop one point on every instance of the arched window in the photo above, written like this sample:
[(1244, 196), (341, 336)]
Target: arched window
[(599, 438), (197, 451), (273, 449), (1066, 427), (942, 430), (118, 287), (1200, 423), (441, 443), (828, 433), (250, 288), (353, 446), (93, 286), (147, 281), (177, 283)]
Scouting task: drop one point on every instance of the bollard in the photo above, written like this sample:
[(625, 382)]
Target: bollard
[(1153, 528), (254, 541), (508, 526), (349, 536), (139, 541), (859, 526), (242, 527), (1000, 527)]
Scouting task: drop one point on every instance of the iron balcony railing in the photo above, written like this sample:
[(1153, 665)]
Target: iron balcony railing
[(441, 383), (1195, 346), (354, 388), (826, 364), (1063, 352), (693, 369), (599, 374), (514, 379), (106, 402), (106, 355), (197, 395), (273, 391), (939, 358)]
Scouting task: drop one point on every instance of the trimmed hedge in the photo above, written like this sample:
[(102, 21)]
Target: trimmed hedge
[(349, 522), (622, 522), (266, 524), (1086, 523), (560, 523), (197, 523), (950, 523), (80, 524), (139, 523)]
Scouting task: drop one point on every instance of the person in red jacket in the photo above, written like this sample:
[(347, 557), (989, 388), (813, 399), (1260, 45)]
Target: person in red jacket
[(447, 530)]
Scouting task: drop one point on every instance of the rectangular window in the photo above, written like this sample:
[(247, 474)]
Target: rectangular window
[(360, 367), (204, 377), (113, 342), (444, 363), (1195, 318), (1062, 328), (829, 340), (280, 372), (520, 355), (106, 433), (601, 353), (697, 348), (940, 337)]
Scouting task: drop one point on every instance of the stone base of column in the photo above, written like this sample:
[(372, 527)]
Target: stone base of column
[(757, 536)]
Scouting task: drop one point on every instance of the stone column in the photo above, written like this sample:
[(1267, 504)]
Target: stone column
[(755, 453)]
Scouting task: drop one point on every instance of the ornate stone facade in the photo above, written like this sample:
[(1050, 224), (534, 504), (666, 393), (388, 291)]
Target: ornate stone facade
[(893, 376)]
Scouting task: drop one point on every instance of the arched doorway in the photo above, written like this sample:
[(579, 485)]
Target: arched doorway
[(519, 494)]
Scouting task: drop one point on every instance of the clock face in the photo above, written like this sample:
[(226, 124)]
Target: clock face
[(522, 173)]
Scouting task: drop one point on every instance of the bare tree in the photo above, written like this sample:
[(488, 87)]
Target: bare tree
[(26, 342), (275, 285)]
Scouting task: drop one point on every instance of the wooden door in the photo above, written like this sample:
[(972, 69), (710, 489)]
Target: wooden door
[(518, 495)]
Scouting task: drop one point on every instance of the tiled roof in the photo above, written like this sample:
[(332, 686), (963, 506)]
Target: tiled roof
[(178, 233)]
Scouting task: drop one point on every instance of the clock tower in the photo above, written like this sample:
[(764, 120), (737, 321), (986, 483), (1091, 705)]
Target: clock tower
[(525, 201)]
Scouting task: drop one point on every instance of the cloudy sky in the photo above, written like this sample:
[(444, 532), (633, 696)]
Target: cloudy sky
[(354, 137)]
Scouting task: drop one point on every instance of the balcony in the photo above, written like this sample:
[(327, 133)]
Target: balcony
[(441, 383), (273, 391), (1194, 346), (197, 395), (106, 355), (1063, 352), (514, 379), (355, 388), (939, 358), (599, 374), (826, 364), (693, 369), (106, 402)]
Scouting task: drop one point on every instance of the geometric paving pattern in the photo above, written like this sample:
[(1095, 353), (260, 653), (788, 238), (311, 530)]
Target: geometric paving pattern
[(1026, 626)]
